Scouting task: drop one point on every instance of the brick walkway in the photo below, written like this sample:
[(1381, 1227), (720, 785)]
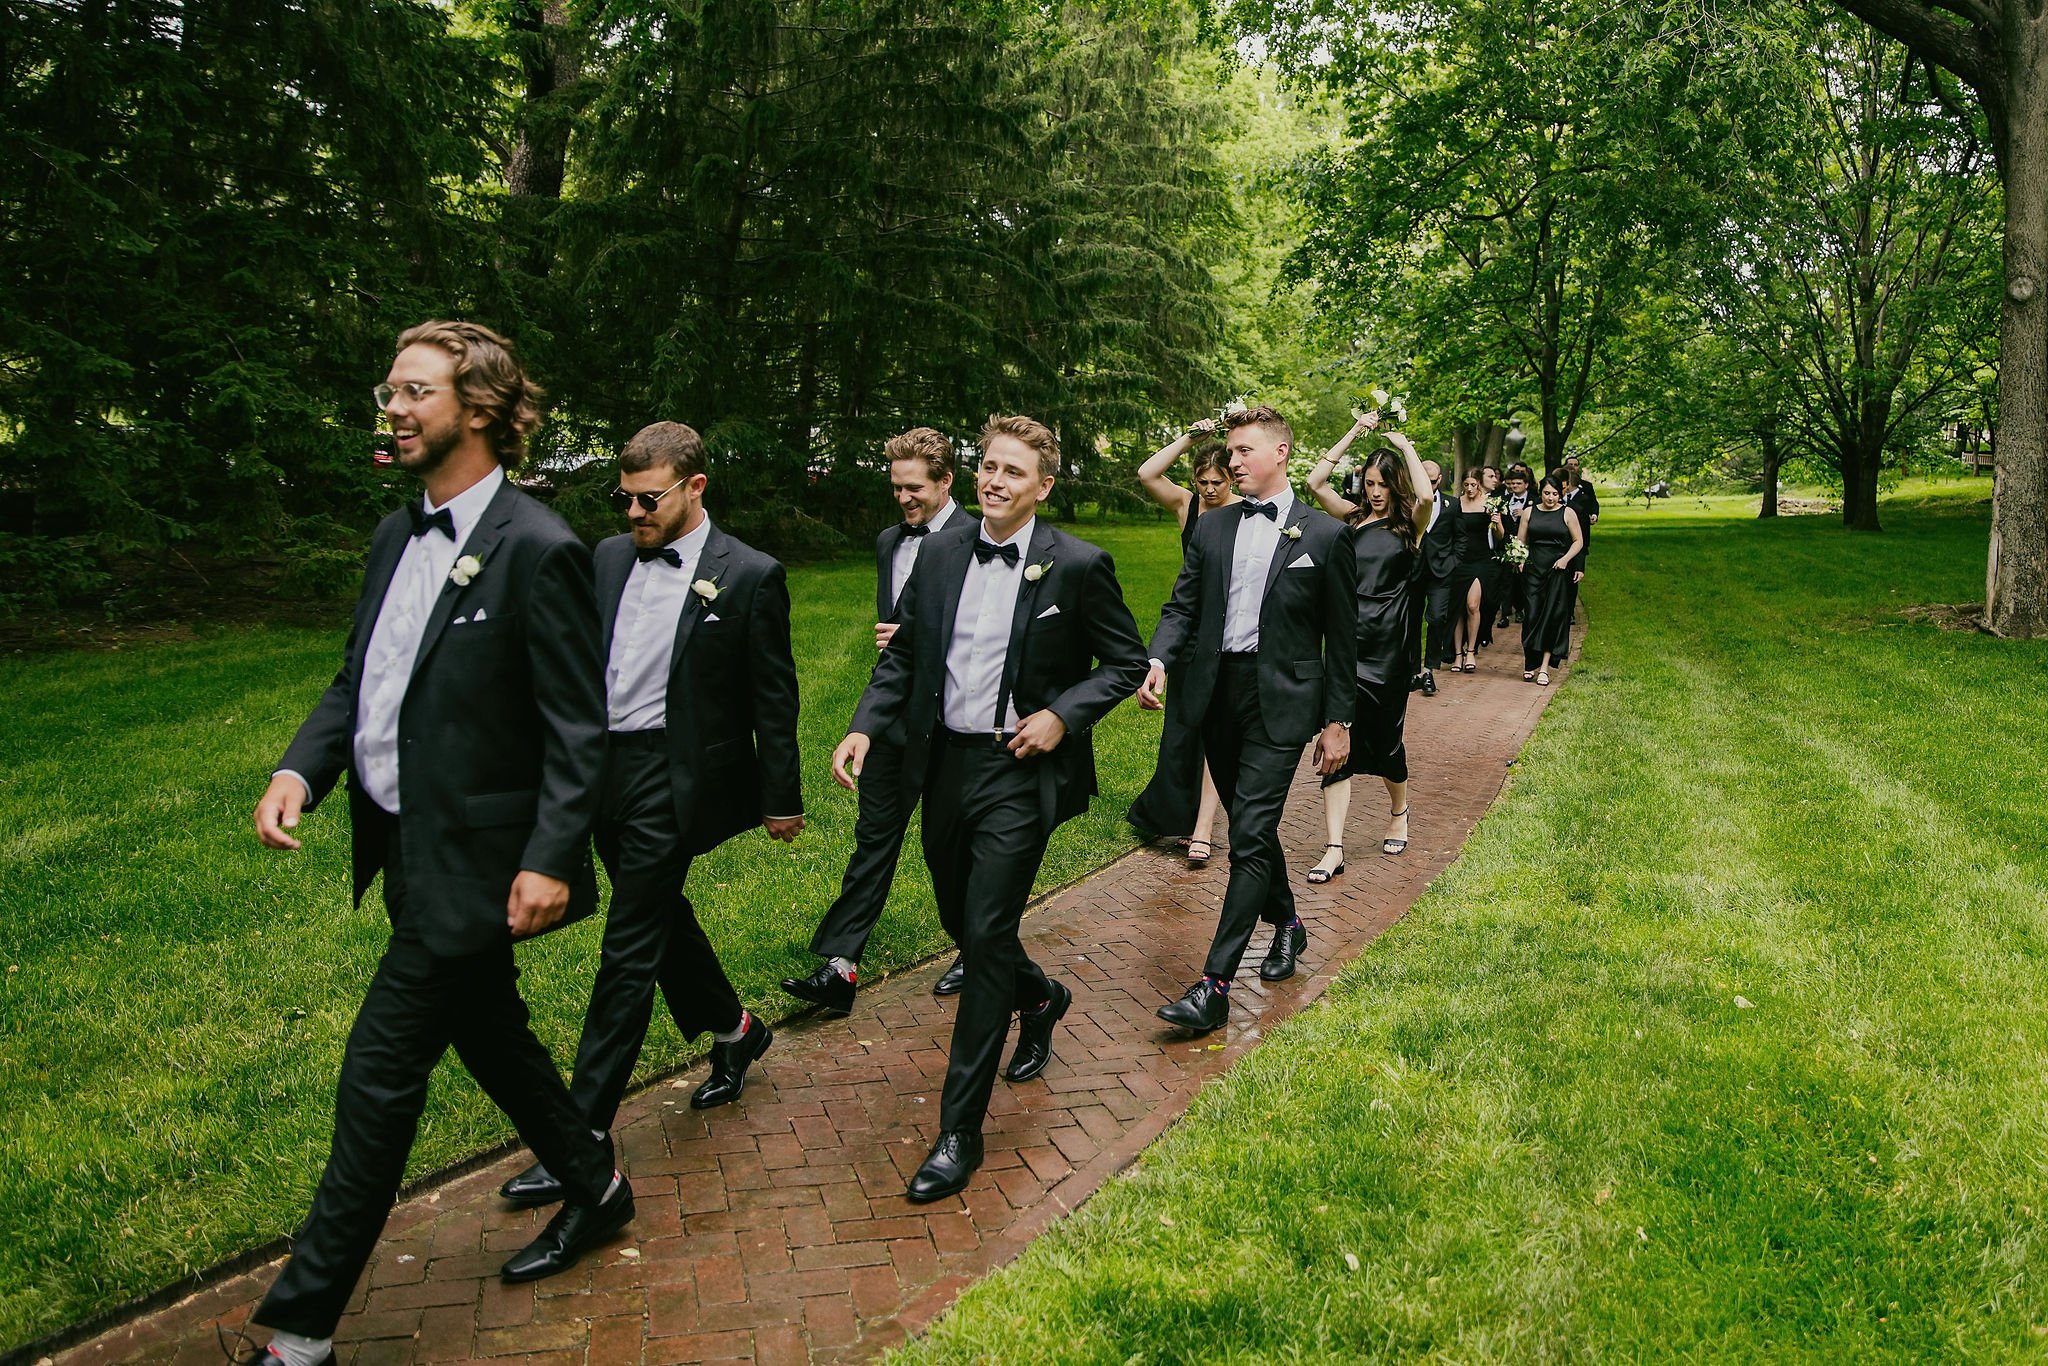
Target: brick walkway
[(775, 1229)]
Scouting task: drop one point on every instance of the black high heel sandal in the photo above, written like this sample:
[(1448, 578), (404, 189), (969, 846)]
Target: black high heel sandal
[(1321, 875), (1390, 845)]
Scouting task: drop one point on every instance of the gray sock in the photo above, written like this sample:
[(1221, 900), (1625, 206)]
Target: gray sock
[(845, 967), (294, 1350), (734, 1035)]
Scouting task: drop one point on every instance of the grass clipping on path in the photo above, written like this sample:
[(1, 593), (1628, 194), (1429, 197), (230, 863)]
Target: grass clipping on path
[(1725, 1038), (174, 999)]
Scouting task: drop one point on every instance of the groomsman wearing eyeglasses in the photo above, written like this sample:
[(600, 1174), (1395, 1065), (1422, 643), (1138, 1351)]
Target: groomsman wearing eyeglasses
[(701, 745), (468, 715), (921, 477), (1263, 620), (1012, 641)]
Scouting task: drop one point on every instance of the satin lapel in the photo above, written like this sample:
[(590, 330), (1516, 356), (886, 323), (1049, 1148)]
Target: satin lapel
[(1027, 597), (387, 547), (614, 567), (952, 577), (710, 565), (482, 543), (885, 565), (1287, 549)]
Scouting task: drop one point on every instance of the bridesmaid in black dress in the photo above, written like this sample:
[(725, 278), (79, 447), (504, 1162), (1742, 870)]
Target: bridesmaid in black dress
[(1479, 532), (1551, 531), (1490, 482), (1397, 494), (1181, 799), (1585, 505)]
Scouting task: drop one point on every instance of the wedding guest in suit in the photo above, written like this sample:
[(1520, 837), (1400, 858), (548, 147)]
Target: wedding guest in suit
[(1262, 621), (1387, 540), (1171, 802), (468, 715), (1012, 641), (921, 476), (701, 745), (1439, 561)]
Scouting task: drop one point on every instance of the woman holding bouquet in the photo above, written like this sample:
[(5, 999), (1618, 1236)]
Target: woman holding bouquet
[(1396, 497), (1551, 534), (1181, 796), (1479, 531)]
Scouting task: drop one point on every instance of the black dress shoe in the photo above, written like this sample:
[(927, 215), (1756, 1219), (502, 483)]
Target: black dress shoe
[(953, 1159), (534, 1186), (1034, 1035), (729, 1063), (952, 979), (1415, 683), (573, 1231), (1289, 943), (1428, 683), (825, 987), (1202, 1009)]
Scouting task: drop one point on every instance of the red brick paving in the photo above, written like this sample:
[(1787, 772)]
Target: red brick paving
[(775, 1229)]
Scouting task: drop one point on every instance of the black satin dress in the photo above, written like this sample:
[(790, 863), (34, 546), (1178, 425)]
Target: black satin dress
[(1475, 559), (1549, 624), (1169, 802), (1387, 602)]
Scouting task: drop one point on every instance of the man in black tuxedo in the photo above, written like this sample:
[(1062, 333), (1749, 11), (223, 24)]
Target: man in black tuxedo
[(1263, 625), (992, 678), (468, 714), (1439, 560), (1519, 501), (701, 700), (921, 476)]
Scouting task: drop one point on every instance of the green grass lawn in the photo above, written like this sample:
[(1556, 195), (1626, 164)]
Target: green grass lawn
[(1726, 1038), (173, 998)]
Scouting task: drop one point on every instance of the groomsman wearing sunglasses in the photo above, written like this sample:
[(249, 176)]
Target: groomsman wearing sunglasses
[(921, 478), (468, 715), (701, 745), (1263, 622), (1012, 642)]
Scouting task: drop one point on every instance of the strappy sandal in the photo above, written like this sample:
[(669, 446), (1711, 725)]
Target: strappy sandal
[(1321, 875), (1390, 845), (1200, 860), (1544, 678)]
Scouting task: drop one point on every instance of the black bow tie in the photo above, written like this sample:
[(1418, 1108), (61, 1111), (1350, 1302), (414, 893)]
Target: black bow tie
[(424, 521), (666, 552), (989, 550), (1254, 508), (921, 529)]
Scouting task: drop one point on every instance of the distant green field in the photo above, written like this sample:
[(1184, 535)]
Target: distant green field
[(1724, 1040), (173, 998)]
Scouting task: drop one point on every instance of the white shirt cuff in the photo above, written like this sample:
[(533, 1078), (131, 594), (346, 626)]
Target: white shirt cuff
[(302, 781)]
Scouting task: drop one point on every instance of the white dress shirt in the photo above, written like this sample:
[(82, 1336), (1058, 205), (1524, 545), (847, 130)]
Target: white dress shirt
[(981, 638), (1258, 540), (644, 634), (395, 640), (905, 557)]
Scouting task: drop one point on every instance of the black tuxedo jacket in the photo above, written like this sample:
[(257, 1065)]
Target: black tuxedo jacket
[(1440, 543), (732, 701), (885, 563), (1079, 660), (500, 736), (1308, 622)]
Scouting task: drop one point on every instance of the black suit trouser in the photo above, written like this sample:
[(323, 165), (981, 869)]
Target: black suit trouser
[(417, 1006), (885, 807), (984, 837), (651, 934), (1252, 774)]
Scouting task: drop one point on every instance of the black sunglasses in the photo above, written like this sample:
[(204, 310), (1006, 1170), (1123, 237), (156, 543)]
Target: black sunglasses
[(648, 502)]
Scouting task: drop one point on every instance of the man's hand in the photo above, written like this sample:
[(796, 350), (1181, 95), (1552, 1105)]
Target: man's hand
[(848, 760), (1038, 733), (785, 829), (537, 903), (1148, 691), (1333, 749), (278, 811), (885, 631)]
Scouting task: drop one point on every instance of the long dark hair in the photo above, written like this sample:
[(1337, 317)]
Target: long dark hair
[(1400, 516)]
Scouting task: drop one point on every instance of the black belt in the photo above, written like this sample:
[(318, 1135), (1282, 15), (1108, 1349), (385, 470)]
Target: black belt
[(638, 739), (1240, 656), (980, 739)]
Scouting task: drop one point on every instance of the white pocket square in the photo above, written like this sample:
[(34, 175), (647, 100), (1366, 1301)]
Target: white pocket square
[(1051, 611), (458, 621), (479, 615), (710, 617), (1303, 563)]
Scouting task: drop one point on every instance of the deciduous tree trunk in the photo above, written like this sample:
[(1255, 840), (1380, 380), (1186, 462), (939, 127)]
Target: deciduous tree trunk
[(1773, 458), (2016, 600)]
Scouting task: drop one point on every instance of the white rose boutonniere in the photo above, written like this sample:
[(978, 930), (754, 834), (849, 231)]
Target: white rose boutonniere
[(1292, 533), (1034, 572), (465, 569), (706, 589)]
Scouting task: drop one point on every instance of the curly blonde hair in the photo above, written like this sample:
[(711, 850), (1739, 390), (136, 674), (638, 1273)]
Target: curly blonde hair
[(488, 378)]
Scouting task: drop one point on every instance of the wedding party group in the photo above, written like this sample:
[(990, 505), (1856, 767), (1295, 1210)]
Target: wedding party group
[(512, 708)]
